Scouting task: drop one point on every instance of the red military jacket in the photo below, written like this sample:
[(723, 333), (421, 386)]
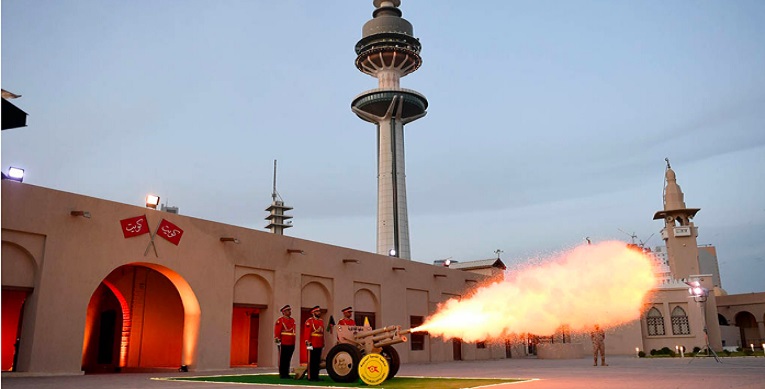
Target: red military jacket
[(347, 322), (284, 330), (314, 328)]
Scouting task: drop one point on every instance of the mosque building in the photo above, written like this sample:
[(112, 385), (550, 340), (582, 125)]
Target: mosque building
[(91, 285)]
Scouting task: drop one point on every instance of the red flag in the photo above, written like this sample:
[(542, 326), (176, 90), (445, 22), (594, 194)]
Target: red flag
[(170, 231), (135, 226)]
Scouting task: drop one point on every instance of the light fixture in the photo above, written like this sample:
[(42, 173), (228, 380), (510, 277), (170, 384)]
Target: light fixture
[(350, 260), (184, 369), (84, 214), (698, 292), (296, 251), (152, 201), (229, 239), (16, 174), (447, 262), (392, 252)]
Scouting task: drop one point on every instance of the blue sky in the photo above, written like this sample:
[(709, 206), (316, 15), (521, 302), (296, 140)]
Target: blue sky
[(548, 122)]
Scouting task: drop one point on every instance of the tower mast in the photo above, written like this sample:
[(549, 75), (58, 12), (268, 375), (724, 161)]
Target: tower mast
[(388, 51), (277, 218)]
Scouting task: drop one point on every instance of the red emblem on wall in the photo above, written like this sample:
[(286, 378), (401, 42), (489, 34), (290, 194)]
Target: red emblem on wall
[(170, 231), (135, 226)]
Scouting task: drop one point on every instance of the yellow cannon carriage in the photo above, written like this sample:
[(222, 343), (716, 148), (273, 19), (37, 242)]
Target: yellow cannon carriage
[(355, 342)]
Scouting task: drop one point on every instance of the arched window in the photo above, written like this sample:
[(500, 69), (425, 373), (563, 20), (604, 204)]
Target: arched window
[(680, 324), (655, 322)]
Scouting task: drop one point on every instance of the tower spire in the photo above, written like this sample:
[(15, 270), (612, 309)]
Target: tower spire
[(389, 51), (277, 217), (679, 232)]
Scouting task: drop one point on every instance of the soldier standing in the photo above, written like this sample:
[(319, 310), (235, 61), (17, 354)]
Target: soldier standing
[(598, 337), (284, 336), (347, 319), (314, 328)]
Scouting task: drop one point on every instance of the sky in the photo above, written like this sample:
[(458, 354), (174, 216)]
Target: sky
[(548, 121)]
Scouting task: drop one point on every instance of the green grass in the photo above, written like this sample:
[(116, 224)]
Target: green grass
[(395, 383)]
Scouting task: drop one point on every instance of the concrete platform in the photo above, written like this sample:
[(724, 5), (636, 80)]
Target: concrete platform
[(622, 372)]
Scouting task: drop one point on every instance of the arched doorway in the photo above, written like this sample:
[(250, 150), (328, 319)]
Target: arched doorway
[(747, 324), (141, 316), (313, 293), (18, 280), (252, 294)]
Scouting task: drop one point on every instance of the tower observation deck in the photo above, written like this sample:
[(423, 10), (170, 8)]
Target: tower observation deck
[(388, 51)]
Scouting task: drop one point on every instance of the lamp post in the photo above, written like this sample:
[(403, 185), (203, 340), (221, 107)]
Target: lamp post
[(700, 294)]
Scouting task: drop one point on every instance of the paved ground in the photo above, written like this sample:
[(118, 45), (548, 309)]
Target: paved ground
[(623, 373)]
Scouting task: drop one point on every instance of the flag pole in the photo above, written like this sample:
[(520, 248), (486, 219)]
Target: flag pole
[(151, 242)]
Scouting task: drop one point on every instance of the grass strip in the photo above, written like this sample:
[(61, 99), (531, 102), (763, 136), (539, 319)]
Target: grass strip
[(395, 383)]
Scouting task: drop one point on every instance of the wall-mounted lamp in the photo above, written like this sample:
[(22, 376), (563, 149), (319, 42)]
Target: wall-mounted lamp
[(229, 239), (399, 268), (392, 252), (184, 369), (296, 251), (15, 174), (438, 275), (350, 260), (152, 201), (84, 214)]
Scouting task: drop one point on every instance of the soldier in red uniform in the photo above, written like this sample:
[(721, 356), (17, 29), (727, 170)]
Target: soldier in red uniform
[(314, 330), (284, 336), (347, 317)]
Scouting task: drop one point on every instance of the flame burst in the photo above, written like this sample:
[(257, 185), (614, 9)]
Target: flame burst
[(601, 284)]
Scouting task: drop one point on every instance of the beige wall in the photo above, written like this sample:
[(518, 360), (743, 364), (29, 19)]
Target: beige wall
[(65, 258)]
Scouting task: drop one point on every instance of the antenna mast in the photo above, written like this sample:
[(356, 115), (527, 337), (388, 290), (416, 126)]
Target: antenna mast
[(278, 219), (273, 194)]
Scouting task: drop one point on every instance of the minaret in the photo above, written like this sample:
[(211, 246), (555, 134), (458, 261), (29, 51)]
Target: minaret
[(679, 233), (276, 218), (388, 51)]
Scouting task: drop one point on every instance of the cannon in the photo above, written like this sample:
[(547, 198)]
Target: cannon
[(355, 342)]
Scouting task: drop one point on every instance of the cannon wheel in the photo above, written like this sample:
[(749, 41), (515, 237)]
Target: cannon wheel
[(391, 355), (343, 363)]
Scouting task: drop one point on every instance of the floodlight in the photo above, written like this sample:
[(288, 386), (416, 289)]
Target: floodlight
[(152, 201), (16, 174), (392, 252)]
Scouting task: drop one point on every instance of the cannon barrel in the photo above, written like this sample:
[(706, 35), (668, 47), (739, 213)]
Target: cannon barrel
[(406, 331), (391, 342), (364, 334)]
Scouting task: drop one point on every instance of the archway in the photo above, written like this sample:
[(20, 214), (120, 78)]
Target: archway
[(747, 324), (18, 275), (313, 293), (252, 295), (142, 315), (365, 307)]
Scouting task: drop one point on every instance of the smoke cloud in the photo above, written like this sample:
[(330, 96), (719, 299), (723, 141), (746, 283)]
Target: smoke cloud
[(603, 284)]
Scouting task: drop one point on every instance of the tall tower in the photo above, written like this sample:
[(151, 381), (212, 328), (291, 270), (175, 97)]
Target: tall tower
[(277, 219), (388, 51), (679, 233)]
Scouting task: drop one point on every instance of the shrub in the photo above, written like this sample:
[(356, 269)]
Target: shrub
[(726, 352), (666, 351), (654, 352), (696, 349), (748, 352), (641, 354)]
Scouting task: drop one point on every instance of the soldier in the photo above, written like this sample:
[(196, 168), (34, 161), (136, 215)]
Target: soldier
[(598, 337), (314, 328), (284, 336), (347, 319)]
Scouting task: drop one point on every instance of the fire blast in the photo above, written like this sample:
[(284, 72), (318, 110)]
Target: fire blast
[(601, 284)]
